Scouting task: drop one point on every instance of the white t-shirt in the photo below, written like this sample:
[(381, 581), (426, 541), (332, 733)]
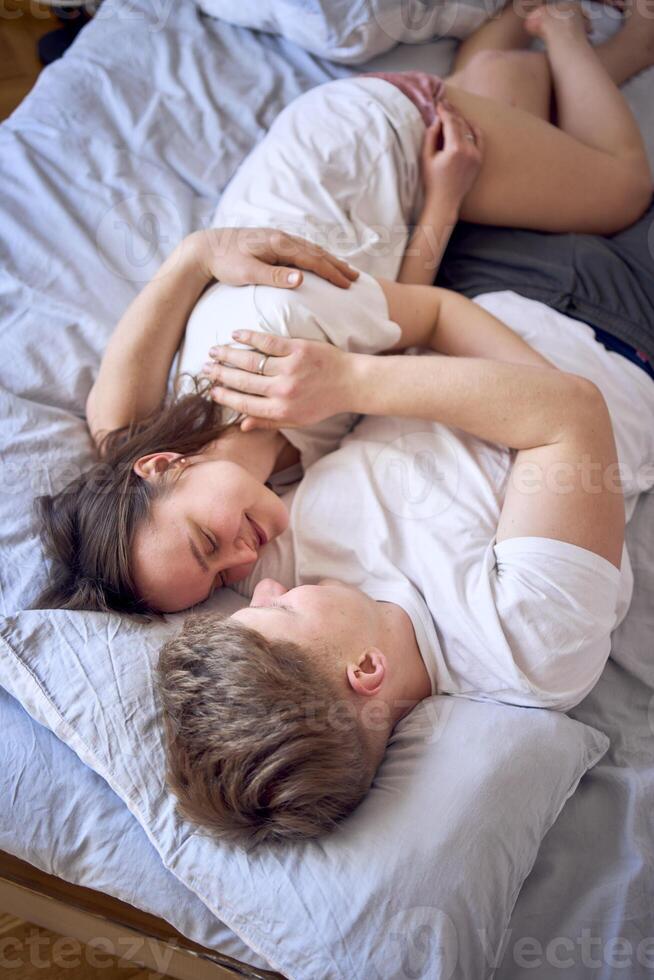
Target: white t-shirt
[(408, 510), (355, 320)]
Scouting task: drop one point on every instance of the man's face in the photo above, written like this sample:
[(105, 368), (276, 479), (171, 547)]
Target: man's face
[(334, 619), (368, 647)]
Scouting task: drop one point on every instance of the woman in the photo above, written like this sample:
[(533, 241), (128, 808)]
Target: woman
[(179, 504)]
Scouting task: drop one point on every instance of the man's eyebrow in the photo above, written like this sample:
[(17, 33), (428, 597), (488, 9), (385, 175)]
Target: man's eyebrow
[(196, 554), (279, 605), (275, 605)]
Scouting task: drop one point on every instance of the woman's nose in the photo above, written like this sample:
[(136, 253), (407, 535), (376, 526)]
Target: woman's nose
[(266, 592)]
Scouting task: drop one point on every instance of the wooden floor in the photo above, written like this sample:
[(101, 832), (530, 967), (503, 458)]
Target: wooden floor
[(30, 953), (22, 22)]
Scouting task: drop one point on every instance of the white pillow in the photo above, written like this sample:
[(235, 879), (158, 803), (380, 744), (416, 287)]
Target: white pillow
[(428, 867), (352, 32)]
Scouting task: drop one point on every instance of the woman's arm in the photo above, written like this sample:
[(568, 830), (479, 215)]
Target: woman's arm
[(134, 371), (450, 162)]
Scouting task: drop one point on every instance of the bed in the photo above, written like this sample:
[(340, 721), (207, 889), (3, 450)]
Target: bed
[(143, 123)]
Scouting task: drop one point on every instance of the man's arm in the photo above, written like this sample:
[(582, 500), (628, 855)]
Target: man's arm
[(134, 371), (564, 483), (307, 381), (448, 323)]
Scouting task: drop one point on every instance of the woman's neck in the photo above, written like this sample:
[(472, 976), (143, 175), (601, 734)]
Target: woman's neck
[(262, 452)]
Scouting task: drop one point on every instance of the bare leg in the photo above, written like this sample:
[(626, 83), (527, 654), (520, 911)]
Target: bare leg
[(520, 79), (631, 50), (590, 174), (626, 54), (505, 32), (589, 105), (534, 175)]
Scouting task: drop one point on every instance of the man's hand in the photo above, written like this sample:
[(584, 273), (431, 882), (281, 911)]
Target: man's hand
[(303, 381), (266, 257)]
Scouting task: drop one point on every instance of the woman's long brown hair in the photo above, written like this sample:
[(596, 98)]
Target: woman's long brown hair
[(87, 528)]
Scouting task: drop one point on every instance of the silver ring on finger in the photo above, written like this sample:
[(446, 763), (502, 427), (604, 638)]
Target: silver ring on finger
[(470, 136), (262, 363)]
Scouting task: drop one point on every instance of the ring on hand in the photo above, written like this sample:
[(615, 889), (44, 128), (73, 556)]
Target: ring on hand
[(470, 136), (262, 363)]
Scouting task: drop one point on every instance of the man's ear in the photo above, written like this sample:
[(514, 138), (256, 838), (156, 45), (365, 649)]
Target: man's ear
[(367, 674), (152, 466)]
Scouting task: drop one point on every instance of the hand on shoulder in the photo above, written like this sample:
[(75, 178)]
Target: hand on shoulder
[(265, 256)]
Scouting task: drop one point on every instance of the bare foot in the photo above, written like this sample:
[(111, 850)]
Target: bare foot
[(563, 18)]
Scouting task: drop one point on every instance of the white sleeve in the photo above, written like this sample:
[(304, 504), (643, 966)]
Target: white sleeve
[(354, 319), (557, 605)]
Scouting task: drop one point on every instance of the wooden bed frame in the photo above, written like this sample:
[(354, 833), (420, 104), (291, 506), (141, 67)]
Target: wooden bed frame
[(89, 915)]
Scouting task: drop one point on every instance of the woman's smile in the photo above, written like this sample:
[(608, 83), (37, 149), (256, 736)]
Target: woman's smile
[(261, 536)]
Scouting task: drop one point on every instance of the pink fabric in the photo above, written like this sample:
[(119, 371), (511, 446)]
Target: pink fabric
[(424, 90)]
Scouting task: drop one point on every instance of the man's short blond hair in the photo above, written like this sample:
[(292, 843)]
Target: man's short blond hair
[(262, 745)]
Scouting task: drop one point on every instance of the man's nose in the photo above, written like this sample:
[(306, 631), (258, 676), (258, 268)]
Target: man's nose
[(266, 592)]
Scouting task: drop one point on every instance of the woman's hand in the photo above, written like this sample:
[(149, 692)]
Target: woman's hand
[(452, 154), (264, 256), (283, 382)]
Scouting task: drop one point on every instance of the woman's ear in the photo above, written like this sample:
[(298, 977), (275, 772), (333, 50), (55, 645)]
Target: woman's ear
[(152, 466), (368, 673)]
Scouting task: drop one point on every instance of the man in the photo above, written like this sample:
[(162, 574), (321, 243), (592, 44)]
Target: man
[(454, 565)]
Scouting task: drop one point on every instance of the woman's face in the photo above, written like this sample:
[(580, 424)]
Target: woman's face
[(206, 530)]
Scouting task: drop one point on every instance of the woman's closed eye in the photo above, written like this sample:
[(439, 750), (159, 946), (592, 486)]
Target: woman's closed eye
[(219, 582), (213, 544)]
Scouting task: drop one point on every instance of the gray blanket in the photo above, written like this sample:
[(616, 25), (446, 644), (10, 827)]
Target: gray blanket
[(606, 282)]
